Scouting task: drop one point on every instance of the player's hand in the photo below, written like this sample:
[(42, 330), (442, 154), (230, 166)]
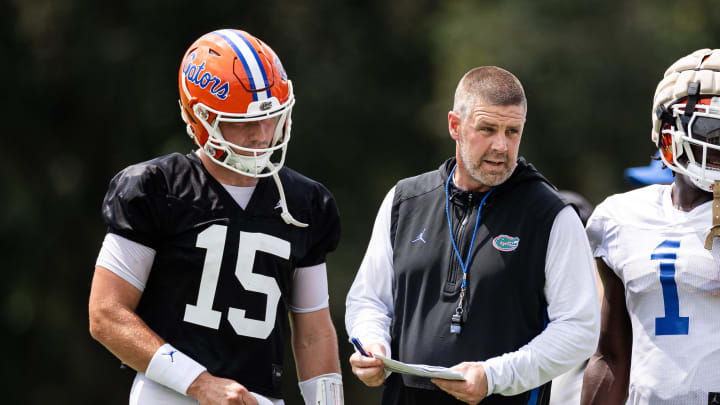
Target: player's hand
[(211, 390), (472, 390), (369, 369)]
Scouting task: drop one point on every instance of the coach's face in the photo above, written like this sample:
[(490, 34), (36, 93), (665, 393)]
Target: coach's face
[(487, 144)]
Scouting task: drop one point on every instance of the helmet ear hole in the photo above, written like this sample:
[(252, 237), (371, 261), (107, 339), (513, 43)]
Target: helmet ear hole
[(200, 112)]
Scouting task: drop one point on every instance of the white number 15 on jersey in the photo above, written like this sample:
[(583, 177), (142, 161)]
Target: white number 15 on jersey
[(213, 239)]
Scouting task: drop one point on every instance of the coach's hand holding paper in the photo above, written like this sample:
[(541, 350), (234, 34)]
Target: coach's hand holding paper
[(421, 370), (473, 389)]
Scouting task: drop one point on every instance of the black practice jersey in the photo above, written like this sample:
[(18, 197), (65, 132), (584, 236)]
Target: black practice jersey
[(221, 280)]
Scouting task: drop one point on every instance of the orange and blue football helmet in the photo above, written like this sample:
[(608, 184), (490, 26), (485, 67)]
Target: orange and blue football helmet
[(229, 75)]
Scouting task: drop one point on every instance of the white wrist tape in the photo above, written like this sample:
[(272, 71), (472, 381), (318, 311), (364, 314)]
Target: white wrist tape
[(173, 369), (325, 389), (261, 400)]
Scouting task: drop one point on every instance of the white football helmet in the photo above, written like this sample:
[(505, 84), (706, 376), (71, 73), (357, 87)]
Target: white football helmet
[(686, 117)]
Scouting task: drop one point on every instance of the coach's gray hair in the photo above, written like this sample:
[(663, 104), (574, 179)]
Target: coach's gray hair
[(489, 85)]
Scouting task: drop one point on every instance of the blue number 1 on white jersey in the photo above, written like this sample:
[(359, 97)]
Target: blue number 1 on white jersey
[(672, 323)]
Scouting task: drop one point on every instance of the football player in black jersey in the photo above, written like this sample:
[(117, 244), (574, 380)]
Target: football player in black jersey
[(206, 253)]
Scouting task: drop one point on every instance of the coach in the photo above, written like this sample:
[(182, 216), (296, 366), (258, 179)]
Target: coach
[(479, 265)]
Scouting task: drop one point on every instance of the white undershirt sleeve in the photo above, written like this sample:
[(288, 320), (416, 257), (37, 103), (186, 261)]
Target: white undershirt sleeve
[(310, 289), (571, 336), (369, 304), (129, 260)]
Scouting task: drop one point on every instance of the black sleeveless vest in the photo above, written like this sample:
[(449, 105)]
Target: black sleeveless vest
[(505, 305)]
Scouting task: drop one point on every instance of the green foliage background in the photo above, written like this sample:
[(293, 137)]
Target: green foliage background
[(90, 87)]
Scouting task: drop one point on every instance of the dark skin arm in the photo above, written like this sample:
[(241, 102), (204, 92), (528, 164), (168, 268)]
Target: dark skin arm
[(607, 375)]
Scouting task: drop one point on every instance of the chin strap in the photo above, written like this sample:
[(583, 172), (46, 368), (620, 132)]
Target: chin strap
[(285, 215), (715, 229)]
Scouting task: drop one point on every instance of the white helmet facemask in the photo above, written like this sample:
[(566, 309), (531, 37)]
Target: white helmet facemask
[(251, 162), (257, 162), (693, 138)]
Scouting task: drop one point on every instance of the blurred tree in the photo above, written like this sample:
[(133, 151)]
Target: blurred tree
[(589, 70)]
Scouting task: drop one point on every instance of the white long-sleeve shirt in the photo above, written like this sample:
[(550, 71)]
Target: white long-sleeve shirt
[(570, 290)]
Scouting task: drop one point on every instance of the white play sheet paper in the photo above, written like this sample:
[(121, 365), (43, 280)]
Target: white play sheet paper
[(421, 370)]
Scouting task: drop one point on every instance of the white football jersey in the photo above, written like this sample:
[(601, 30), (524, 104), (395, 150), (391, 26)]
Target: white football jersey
[(672, 293)]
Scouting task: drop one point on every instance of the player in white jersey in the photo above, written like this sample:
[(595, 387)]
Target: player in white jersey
[(660, 336)]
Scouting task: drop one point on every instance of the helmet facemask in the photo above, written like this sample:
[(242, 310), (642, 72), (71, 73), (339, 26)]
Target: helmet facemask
[(254, 161), (229, 155), (695, 142)]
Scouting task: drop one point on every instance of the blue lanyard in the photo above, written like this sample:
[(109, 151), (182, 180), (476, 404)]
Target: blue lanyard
[(464, 265)]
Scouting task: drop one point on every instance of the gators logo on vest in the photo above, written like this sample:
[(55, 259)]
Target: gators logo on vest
[(505, 243)]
